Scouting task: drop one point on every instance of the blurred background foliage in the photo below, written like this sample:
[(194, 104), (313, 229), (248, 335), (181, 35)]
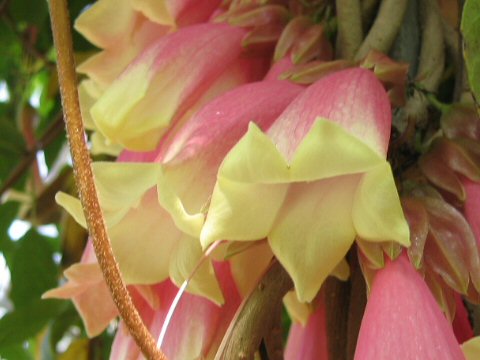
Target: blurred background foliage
[(34, 165)]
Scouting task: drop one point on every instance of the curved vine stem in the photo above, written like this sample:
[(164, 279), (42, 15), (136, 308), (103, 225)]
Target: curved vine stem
[(86, 187)]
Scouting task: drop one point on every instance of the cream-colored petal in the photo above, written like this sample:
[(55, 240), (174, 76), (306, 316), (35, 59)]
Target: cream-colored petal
[(107, 22), (73, 206), (108, 113), (298, 311), (121, 185), (86, 102), (249, 265), (255, 159), (156, 10), (377, 213), (471, 348), (342, 270), (101, 145), (314, 231), (184, 259), (191, 224), (328, 150), (241, 211), (143, 242)]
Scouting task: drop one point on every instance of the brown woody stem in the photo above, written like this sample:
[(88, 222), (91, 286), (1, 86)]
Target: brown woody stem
[(256, 317), (84, 179)]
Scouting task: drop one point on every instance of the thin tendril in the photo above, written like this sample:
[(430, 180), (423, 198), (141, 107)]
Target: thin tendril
[(181, 291)]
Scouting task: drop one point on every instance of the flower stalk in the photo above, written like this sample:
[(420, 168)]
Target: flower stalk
[(85, 183)]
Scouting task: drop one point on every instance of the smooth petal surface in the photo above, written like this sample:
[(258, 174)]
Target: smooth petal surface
[(314, 231), (105, 66), (90, 295), (142, 242), (352, 98), (96, 24), (402, 319), (471, 348), (377, 213), (136, 109), (184, 259), (309, 342), (327, 151), (176, 12), (249, 265)]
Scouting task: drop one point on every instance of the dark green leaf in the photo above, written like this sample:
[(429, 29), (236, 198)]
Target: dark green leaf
[(31, 12), (8, 212), (69, 317), (33, 270), (15, 352), (23, 323)]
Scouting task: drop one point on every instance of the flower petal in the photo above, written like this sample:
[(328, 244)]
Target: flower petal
[(313, 231), (377, 213), (352, 98), (236, 212), (121, 185), (143, 241), (328, 150), (249, 265), (138, 107), (97, 26), (471, 348), (90, 295), (402, 319), (309, 342), (191, 224), (184, 259), (73, 206)]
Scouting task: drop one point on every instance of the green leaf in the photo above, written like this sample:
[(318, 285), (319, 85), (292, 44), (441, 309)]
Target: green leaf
[(69, 317), (33, 270), (471, 34), (32, 12), (25, 322), (16, 352), (8, 211)]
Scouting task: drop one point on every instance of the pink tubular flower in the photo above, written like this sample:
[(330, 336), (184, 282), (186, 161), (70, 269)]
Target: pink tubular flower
[(402, 319), (321, 174), (309, 341)]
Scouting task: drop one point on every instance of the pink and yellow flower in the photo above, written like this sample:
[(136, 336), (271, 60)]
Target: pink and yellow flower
[(314, 181), (155, 211)]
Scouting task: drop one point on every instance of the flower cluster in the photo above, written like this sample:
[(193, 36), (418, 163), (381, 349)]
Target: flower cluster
[(219, 151)]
